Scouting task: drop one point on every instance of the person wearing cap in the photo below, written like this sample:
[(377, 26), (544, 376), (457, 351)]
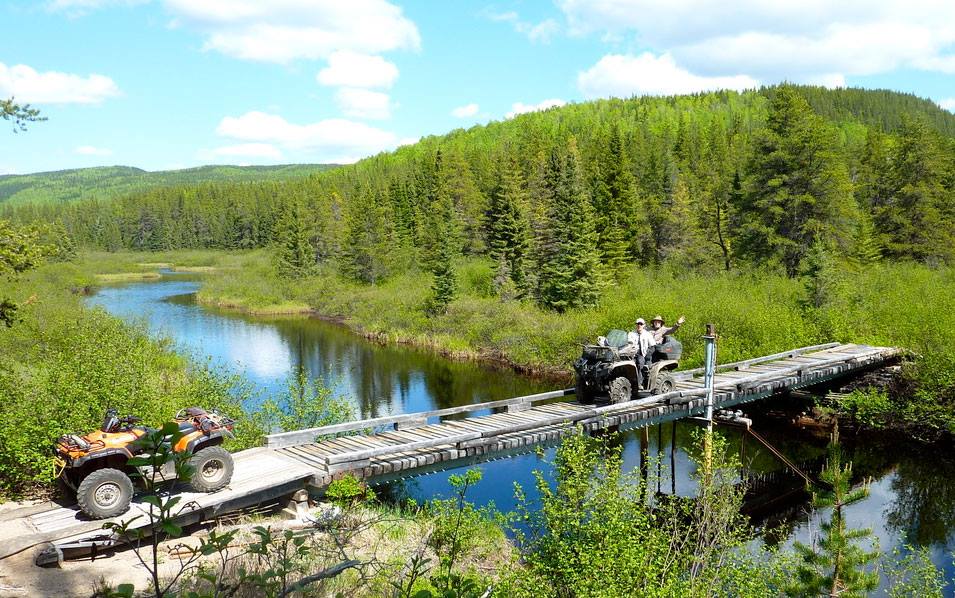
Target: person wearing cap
[(640, 342), (659, 329)]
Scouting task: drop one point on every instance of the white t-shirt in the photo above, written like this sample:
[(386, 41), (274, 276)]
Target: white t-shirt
[(641, 341)]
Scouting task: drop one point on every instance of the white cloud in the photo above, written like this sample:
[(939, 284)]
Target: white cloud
[(330, 140), (624, 75), (947, 104), (351, 69), (521, 108), (5, 170), (798, 40), (540, 32), (52, 87), (285, 30), (536, 32), (465, 111), (75, 8), (249, 150), (89, 150), (362, 103)]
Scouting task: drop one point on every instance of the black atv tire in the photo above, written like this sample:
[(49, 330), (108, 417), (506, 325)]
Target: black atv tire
[(583, 395), (212, 469), (665, 383), (105, 493), (63, 490), (620, 390)]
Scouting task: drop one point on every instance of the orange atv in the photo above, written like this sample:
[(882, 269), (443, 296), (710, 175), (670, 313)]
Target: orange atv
[(95, 467)]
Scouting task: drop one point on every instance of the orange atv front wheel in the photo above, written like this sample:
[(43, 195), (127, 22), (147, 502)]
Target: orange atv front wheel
[(105, 493)]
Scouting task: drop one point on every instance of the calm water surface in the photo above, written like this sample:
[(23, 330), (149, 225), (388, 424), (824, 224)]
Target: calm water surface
[(912, 498)]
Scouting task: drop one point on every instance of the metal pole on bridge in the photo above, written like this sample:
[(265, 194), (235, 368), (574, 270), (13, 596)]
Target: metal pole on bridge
[(709, 340), (709, 373)]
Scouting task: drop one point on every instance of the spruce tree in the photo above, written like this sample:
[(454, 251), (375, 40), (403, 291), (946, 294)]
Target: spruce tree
[(508, 230), (444, 285), (836, 565), (295, 255), (678, 239), (570, 264), (454, 177), (368, 252), (619, 229), (866, 248), (798, 190), (445, 243), (918, 219)]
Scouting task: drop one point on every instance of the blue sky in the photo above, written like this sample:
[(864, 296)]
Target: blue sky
[(178, 83)]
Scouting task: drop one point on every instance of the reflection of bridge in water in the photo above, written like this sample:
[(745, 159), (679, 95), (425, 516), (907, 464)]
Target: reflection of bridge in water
[(407, 445)]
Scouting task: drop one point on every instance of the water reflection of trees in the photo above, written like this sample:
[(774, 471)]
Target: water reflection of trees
[(386, 379), (923, 510)]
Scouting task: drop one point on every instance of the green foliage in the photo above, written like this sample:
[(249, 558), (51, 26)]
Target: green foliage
[(870, 407), (835, 564), (598, 532), (20, 251), (912, 573), (457, 527), (908, 306), (349, 491), (295, 254), (84, 184), (367, 252), (283, 556), (444, 283), (444, 235), (508, 231), (20, 114), (568, 259), (306, 403), (916, 218), (735, 179), (798, 192)]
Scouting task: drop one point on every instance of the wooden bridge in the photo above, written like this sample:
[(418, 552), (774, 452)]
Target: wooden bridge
[(407, 445)]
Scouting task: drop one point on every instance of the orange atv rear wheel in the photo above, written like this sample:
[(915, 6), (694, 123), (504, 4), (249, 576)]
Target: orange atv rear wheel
[(212, 469), (105, 493)]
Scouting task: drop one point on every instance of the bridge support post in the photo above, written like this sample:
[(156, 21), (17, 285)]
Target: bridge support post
[(709, 340)]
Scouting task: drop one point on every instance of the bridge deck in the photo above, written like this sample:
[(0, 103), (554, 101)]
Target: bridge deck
[(419, 446), (412, 444)]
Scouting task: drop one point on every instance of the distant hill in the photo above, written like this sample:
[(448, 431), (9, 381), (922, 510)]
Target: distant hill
[(112, 181)]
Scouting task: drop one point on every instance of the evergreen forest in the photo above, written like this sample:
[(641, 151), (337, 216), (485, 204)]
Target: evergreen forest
[(565, 201)]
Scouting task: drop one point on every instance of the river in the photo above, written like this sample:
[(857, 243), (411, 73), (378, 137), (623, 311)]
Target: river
[(912, 488)]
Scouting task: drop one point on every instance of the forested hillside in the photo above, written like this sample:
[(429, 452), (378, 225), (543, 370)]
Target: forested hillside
[(565, 201), (113, 181)]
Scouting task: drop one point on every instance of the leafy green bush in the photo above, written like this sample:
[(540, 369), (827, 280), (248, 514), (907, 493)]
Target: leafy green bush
[(600, 531), (306, 403), (870, 407), (349, 491)]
